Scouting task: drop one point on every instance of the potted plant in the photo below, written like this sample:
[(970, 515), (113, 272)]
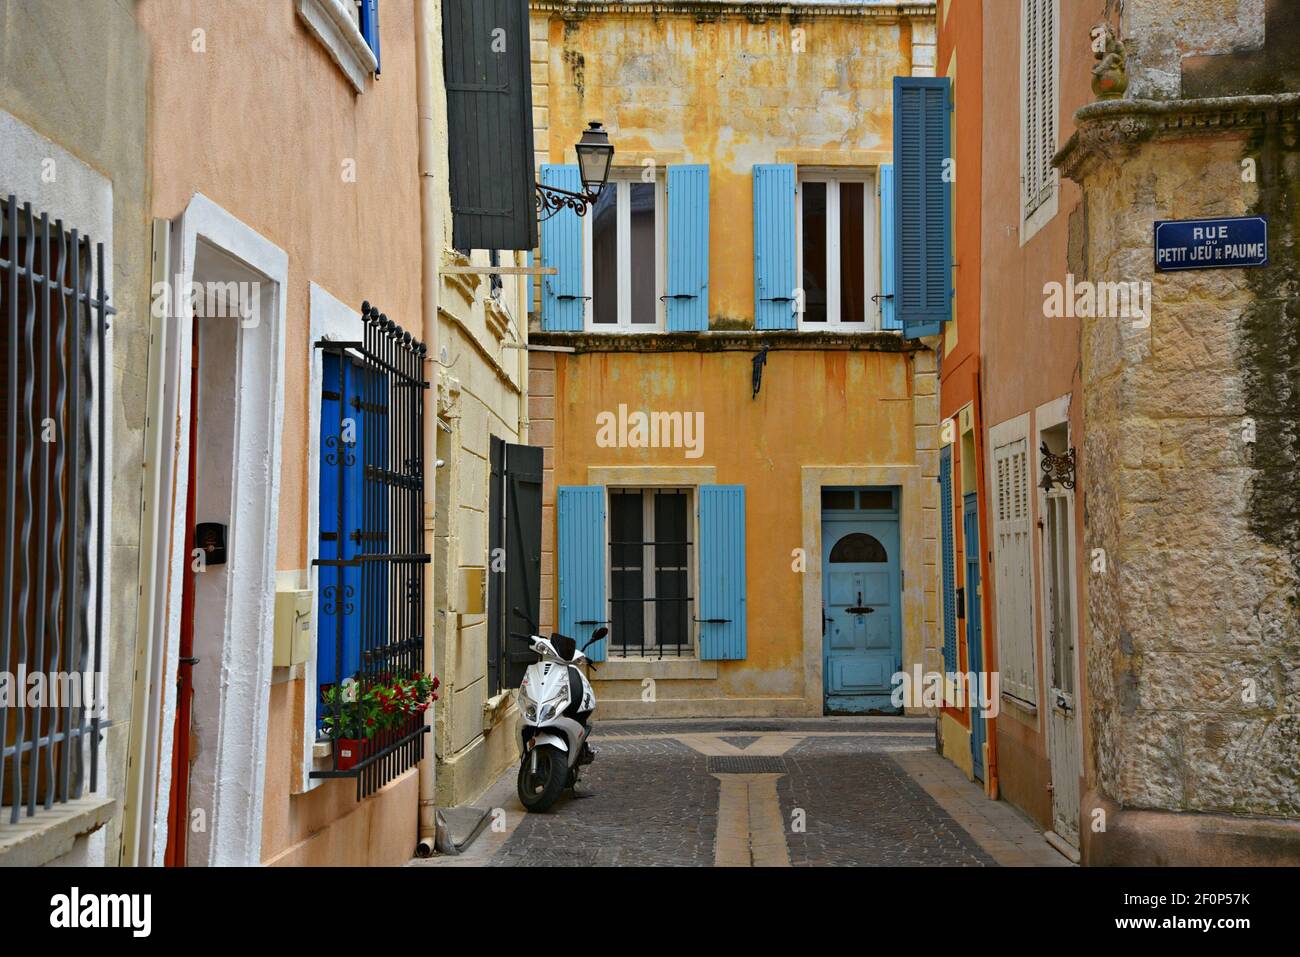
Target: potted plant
[(350, 719)]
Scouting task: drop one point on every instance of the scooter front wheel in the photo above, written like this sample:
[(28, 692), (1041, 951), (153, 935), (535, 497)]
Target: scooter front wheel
[(540, 786)]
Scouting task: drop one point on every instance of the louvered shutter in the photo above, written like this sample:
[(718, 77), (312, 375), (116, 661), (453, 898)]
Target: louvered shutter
[(922, 205), (947, 543), (722, 572), (688, 248), (1038, 20), (562, 299), (487, 62), (1012, 556), (774, 234), (580, 563)]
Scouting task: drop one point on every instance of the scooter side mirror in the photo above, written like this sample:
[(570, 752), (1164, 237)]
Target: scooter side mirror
[(596, 636)]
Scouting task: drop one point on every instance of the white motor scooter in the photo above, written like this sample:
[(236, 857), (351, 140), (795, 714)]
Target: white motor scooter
[(556, 702)]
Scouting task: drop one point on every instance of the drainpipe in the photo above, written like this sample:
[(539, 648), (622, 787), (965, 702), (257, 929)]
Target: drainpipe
[(431, 228)]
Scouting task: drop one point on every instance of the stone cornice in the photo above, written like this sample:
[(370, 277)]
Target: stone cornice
[(718, 9), (726, 341), (1111, 129)]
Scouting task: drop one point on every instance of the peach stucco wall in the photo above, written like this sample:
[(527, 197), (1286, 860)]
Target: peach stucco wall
[(266, 125)]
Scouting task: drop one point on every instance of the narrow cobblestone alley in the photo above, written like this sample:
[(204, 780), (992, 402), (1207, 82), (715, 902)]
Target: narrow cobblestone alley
[(779, 793)]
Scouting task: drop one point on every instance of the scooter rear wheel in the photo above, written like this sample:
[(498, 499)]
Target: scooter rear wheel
[(539, 790)]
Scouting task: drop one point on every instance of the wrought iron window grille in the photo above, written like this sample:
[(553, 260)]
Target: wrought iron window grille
[(52, 428), (387, 601)]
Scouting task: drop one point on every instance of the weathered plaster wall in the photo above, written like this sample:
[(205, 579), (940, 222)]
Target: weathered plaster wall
[(1160, 33), (90, 99), (728, 90), (815, 408)]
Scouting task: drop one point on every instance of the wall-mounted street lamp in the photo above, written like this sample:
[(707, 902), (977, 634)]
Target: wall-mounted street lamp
[(595, 154), (1057, 469)]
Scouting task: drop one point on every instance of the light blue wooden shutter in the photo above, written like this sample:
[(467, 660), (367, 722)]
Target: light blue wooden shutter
[(580, 560), (370, 28), (888, 314), (722, 572), (949, 569), (774, 259), (688, 248), (922, 205), (562, 301)]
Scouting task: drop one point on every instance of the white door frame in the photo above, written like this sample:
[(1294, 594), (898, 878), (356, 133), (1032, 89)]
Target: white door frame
[(235, 819)]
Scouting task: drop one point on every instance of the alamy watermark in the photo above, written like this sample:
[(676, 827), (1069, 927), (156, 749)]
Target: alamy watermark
[(1098, 300), (952, 689), (651, 430)]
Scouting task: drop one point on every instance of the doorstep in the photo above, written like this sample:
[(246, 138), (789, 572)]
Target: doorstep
[(49, 834)]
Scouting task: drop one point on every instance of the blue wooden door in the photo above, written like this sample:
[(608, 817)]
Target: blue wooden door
[(974, 641), (862, 643)]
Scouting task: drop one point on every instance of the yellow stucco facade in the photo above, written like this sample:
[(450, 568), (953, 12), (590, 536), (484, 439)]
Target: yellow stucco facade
[(732, 89)]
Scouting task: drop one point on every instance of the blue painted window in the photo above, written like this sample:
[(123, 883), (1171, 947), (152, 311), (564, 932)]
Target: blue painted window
[(688, 248), (774, 246), (562, 295), (369, 23), (949, 561), (339, 635), (645, 553), (922, 204)]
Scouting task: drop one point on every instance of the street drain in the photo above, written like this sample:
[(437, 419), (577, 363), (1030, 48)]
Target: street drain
[(745, 764)]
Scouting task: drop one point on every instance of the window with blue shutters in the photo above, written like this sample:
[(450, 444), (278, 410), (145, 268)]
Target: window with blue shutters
[(623, 242), (948, 545), (628, 558), (838, 263), (922, 205)]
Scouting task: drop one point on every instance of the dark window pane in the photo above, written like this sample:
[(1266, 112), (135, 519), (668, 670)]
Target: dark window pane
[(813, 226), (837, 498), (670, 616), (880, 498), (642, 255), (670, 526), (604, 256), (625, 526), (853, 254), (858, 547)]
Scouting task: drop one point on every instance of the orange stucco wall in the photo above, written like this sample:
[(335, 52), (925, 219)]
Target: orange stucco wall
[(1026, 358), (266, 125)]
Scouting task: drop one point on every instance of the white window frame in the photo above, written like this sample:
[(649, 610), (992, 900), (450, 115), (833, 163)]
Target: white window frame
[(1036, 213), (337, 25), (621, 179), (871, 246), (648, 570), (1011, 644)]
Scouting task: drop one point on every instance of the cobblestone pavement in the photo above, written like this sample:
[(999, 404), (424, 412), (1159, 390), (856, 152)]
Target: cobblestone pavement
[(796, 792)]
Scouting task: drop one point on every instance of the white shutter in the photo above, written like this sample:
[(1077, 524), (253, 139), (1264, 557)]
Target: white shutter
[(1012, 560), (1039, 24)]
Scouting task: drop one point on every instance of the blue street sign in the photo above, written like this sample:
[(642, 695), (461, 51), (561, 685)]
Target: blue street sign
[(1230, 243)]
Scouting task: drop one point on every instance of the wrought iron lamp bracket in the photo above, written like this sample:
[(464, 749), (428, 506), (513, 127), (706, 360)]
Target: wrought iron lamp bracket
[(1057, 469), (552, 199)]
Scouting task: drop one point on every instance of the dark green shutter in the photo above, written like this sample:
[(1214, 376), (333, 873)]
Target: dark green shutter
[(490, 123)]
